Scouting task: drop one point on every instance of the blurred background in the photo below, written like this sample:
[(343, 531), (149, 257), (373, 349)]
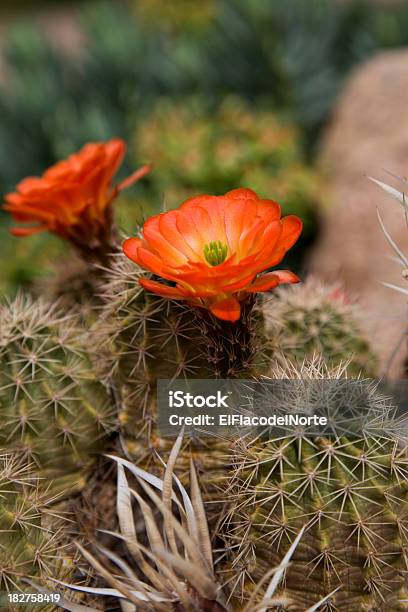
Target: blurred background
[(298, 100)]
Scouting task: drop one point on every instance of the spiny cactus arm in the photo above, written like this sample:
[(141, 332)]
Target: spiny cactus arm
[(152, 338), (53, 409), (314, 318), (350, 492), (33, 541)]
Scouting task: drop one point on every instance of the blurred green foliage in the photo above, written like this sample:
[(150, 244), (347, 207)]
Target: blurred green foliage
[(292, 56), (289, 57), (175, 16), (25, 261)]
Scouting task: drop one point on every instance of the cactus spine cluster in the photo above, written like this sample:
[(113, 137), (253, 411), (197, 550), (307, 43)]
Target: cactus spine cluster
[(350, 493), (31, 541), (53, 410), (315, 319)]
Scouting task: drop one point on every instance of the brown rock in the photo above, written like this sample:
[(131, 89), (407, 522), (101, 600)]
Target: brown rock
[(368, 133)]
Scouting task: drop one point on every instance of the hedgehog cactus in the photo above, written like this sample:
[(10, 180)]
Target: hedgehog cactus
[(313, 318), (53, 410), (351, 493), (31, 541), (156, 338), (152, 338), (212, 249)]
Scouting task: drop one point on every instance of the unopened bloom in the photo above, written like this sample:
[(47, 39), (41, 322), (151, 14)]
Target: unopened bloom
[(213, 250), (73, 198)]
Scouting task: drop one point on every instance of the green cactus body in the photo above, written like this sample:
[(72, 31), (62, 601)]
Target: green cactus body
[(351, 496), (31, 542), (312, 318), (152, 338), (53, 410)]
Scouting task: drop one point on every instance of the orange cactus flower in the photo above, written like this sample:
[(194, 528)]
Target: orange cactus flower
[(213, 249), (73, 198)]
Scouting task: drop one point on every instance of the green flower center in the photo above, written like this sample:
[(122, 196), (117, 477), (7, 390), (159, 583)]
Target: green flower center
[(215, 252)]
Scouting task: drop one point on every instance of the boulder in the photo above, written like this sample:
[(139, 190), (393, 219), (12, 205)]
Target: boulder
[(367, 136)]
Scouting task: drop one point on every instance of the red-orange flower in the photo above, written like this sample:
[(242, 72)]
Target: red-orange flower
[(72, 198), (213, 248)]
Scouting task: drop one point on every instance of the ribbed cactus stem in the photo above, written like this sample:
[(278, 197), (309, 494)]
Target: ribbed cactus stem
[(53, 409), (152, 338), (350, 494), (230, 348)]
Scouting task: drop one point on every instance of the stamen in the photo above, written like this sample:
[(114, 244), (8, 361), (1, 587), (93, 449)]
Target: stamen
[(215, 252)]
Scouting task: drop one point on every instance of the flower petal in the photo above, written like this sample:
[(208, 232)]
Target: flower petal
[(153, 235), (27, 231), (286, 276), (268, 281), (263, 283), (130, 248), (241, 193), (163, 290), (136, 176), (238, 217), (197, 226), (291, 230), (227, 309), (151, 261)]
